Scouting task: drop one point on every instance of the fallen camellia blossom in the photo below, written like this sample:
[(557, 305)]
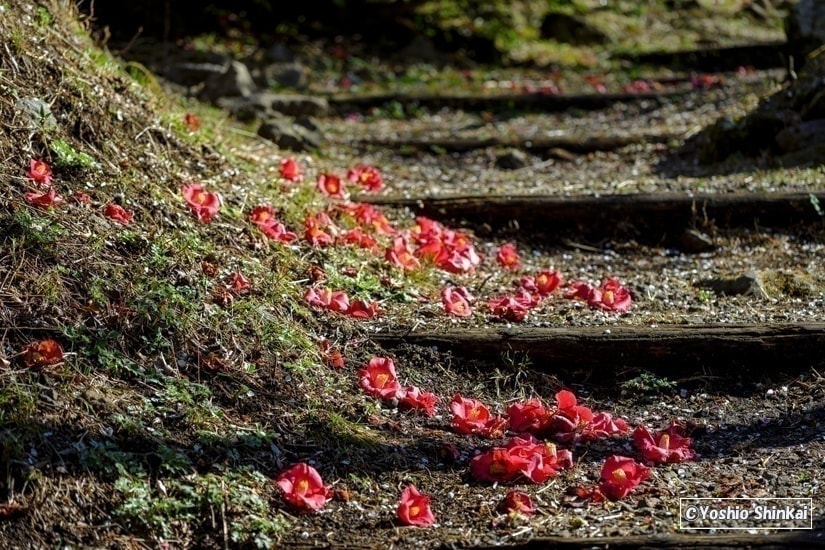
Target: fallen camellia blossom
[(237, 283), (530, 416), (40, 172), (471, 416), (366, 176), (326, 298), (41, 353), (603, 425), (412, 398), (611, 296), (620, 475), (192, 121), (456, 301), (360, 239), (508, 308), (332, 355), (662, 447), (303, 488), (523, 458), (414, 508), (43, 200), (544, 283), (508, 257), (516, 503), (360, 309), (290, 170), (378, 378), (319, 229), (368, 217), (117, 213), (578, 290), (203, 204), (400, 256), (263, 216), (331, 185)]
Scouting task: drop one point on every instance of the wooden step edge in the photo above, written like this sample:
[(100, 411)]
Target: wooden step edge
[(767, 541), (659, 211), (574, 144), (609, 349)]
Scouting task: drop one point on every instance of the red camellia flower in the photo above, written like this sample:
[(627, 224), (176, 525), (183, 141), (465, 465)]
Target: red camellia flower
[(620, 475), (378, 378), (290, 170), (523, 458), (456, 301), (331, 186), (203, 204), (412, 398), (400, 256), (507, 256), (117, 213), (360, 309), (367, 177), (368, 217), (325, 298), (303, 488), (358, 238), (508, 308), (530, 416), (517, 503), (237, 283), (544, 283), (192, 121), (604, 425), (661, 447), (42, 353), (578, 290), (414, 508), (332, 356), (43, 200), (471, 416), (263, 216), (319, 229), (40, 172), (611, 296)]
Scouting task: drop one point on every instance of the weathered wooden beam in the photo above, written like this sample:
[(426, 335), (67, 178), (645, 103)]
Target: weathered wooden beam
[(715, 349), (598, 214), (574, 144), (767, 541)]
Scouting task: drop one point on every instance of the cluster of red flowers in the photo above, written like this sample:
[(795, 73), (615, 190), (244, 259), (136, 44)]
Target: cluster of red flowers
[(263, 217), (445, 248), (610, 296), (531, 291), (521, 459), (339, 302), (471, 416), (379, 379), (568, 422), (203, 204), (304, 491)]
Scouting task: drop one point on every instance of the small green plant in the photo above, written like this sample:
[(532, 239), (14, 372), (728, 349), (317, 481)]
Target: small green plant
[(815, 203), (647, 383), (705, 296), (69, 157)]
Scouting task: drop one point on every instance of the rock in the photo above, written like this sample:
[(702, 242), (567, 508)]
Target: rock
[(748, 284), (37, 111), (279, 53), (287, 75), (692, 240), (265, 105), (571, 29), (283, 133), (512, 159), (308, 122), (293, 105), (235, 80), (805, 28), (192, 74), (421, 48), (799, 136)]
